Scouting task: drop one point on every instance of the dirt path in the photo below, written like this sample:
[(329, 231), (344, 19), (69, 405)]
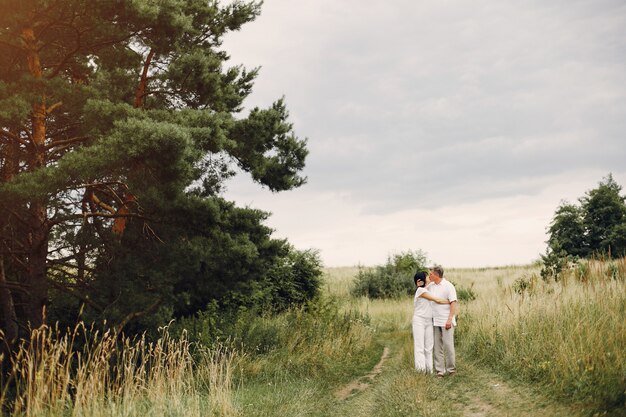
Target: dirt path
[(361, 383), (479, 392), (393, 388)]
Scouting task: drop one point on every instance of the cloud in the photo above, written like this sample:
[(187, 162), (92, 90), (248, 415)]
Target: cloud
[(417, 105)]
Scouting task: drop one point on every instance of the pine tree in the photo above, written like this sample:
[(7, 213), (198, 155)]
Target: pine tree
[(119, 123)]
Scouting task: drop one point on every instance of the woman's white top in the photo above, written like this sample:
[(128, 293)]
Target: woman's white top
[(421, 306)]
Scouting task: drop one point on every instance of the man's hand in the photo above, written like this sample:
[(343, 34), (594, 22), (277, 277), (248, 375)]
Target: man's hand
[(448, 324)]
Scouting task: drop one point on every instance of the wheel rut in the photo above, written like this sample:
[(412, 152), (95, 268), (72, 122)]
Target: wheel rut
[(363, 382)]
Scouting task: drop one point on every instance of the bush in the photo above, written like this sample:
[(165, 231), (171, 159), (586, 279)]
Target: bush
[(465, 293), (554, 264), (293, 281), (392, 280), (316, 337), (525, 284)]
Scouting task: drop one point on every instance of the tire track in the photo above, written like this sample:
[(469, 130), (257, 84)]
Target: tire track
[(362, 383)]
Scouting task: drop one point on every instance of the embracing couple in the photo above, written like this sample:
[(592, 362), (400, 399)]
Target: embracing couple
[(434, 308)]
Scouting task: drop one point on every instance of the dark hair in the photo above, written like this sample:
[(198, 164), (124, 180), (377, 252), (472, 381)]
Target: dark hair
[(420, 276)]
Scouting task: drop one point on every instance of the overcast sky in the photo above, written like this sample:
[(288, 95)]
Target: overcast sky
[(455, 127)]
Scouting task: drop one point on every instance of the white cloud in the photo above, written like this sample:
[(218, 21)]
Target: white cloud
[(430, 117)]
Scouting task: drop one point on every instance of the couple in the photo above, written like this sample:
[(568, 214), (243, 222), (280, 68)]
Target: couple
[(434, 308)]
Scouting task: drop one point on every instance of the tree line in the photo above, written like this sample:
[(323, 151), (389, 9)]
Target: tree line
[(120, 123)]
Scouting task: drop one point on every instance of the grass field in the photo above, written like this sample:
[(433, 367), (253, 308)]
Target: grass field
[(524, 347)]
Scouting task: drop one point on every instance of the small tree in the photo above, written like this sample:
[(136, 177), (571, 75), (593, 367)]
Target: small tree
[(596, 227), (567, 232), (604, 215)]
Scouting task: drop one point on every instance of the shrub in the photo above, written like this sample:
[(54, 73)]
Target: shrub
[(554, 264), (293, 281), (465, 293), (319, 337), (392, 280), (525, 284)]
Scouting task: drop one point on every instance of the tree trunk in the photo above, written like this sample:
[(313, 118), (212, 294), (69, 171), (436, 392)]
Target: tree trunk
[(7, 303), (9, 325), (37, 272), (38, 235)]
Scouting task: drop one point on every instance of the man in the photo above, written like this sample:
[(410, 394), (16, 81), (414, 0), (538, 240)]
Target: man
[(444, 322)]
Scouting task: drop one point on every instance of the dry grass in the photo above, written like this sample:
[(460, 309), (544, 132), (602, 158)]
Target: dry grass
[(385, 314), (111, 376), (567, 336), (338, 281)]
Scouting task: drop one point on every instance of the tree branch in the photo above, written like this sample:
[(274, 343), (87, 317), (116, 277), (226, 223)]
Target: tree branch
[(66, 129), (54, 107), (137, 314), (20, 262), (12, 45), (17, 216), (66, 141), (69, 265), (102, 204), (76, 294), (143, 81), (13, 136), (99, 214), (67, 57)]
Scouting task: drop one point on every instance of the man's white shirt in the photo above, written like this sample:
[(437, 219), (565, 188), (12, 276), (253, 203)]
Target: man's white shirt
[(444, 290)]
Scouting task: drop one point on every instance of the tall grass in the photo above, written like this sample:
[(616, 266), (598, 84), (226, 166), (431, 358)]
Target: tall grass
[(338, 281), (50, 375), (294, 361), (569, 336), (303, 353), (319, 340)]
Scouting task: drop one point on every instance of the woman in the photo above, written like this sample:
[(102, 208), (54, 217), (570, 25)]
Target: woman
[(423, 324)]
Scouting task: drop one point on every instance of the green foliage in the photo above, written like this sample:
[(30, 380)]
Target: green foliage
[(394, 279), (292, 362), (465, 294), (604, 217), (117, 213), (293, 280), (613, 271), (596, 227), (232, 264), (554, 264), (567, 232), (525, 285), (306, 327)]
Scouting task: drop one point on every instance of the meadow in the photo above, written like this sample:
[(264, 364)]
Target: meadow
[(524, 347)]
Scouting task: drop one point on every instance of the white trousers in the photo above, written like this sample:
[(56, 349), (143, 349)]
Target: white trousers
[(423, 344)]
